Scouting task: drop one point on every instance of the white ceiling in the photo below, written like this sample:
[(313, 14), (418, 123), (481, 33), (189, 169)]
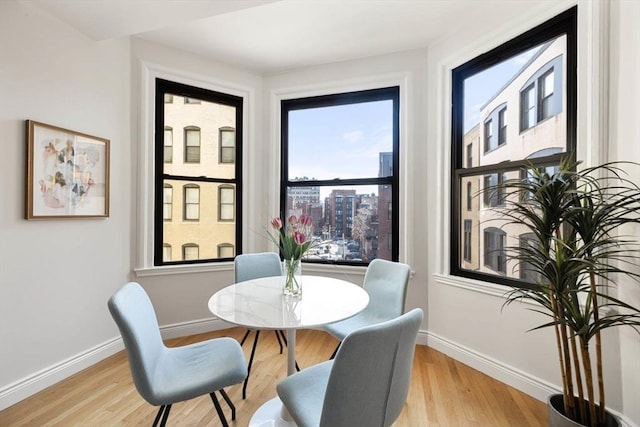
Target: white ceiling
[(274, 35)]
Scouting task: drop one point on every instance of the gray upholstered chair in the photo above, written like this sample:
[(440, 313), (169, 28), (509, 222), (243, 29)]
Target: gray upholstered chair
[(386, 283), (254, 266), (365, 385), (166, 375)]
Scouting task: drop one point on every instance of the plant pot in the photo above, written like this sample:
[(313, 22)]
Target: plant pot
[(558, 419)]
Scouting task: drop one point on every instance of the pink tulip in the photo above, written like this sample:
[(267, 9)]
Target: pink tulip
[(305, 220), (276, 223), (292, 219), (299, 238)]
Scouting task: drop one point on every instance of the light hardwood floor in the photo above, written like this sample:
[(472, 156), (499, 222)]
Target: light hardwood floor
[(443, 392)]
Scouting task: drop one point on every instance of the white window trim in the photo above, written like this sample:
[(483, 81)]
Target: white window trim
[(145, 162), (405, 203)]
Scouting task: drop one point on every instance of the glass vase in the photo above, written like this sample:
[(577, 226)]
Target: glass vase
[(292, 279)]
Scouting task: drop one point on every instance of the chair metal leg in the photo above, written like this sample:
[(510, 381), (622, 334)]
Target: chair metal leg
[(225, 396), (335, 351), (253, 352), (164, 413), (223, 419), (246, 334)]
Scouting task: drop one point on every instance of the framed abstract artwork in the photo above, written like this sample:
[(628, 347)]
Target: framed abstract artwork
[(67, 173)]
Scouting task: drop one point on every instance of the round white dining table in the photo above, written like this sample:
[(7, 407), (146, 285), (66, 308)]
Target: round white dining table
[(261, 304)]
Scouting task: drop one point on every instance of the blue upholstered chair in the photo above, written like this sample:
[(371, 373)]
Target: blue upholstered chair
[(386, 283), (166, 375), (365, 385), (255, 266)]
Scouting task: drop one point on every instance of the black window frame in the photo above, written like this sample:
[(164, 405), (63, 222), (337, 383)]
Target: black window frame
[(163, 87), (391, 93), (563, 24)]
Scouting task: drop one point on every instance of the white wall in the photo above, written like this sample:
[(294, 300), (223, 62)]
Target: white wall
[(56, 275), (625, 134)]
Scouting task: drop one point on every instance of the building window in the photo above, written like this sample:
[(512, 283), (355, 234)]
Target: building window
[(488, 136), (469, 197), (528, 107), (467, 240), (192, 144), (502, 126), (225, 250), (470, 155), (358, 193), (525, 270), (227, 145), (168, 98), (208, 213), (167, 202), (493, 194), (190, 252), (166, 252), (546, 95), (226, 196), (191, 202), (168, 144), (535, 73), (494, 253)]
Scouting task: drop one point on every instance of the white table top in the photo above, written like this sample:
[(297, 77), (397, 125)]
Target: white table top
[(261, 304)]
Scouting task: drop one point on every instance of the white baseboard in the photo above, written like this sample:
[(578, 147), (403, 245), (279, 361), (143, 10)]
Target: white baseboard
[(28, 386)]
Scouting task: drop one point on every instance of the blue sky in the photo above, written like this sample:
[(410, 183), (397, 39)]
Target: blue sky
[(340, 141)]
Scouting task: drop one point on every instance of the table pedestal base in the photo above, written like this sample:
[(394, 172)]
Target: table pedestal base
[(271, 414)]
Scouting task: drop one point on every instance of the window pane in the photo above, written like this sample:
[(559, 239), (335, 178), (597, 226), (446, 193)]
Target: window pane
[(166, 252), (200, 144), (348, 221), (202, 225), (226, 251), (343, 141)]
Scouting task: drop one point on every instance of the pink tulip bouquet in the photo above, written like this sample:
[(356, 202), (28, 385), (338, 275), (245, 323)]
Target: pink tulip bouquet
[(294, 237)]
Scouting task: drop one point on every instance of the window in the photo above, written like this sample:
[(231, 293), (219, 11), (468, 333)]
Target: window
[(469, 197), (166, 252), (206, 192), (488, 136), (168, 144), (494, 253), (528, 108), (470, 155), (167, 206), (517, 87), (502, 126), (546, 95), (168, 98), (467, 240), (227, 145), (341, 152), (525, 269), (225, 250), (191, 202), (226, 196), (493, 194), (192, 144), (190, 252)]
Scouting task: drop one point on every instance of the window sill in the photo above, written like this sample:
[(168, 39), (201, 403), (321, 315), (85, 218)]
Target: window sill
[(182, 269)]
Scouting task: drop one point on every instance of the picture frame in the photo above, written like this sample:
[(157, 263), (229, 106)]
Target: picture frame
[(67, 173)]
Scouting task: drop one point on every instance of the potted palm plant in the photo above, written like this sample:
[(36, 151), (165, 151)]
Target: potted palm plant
[(575, 254)]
